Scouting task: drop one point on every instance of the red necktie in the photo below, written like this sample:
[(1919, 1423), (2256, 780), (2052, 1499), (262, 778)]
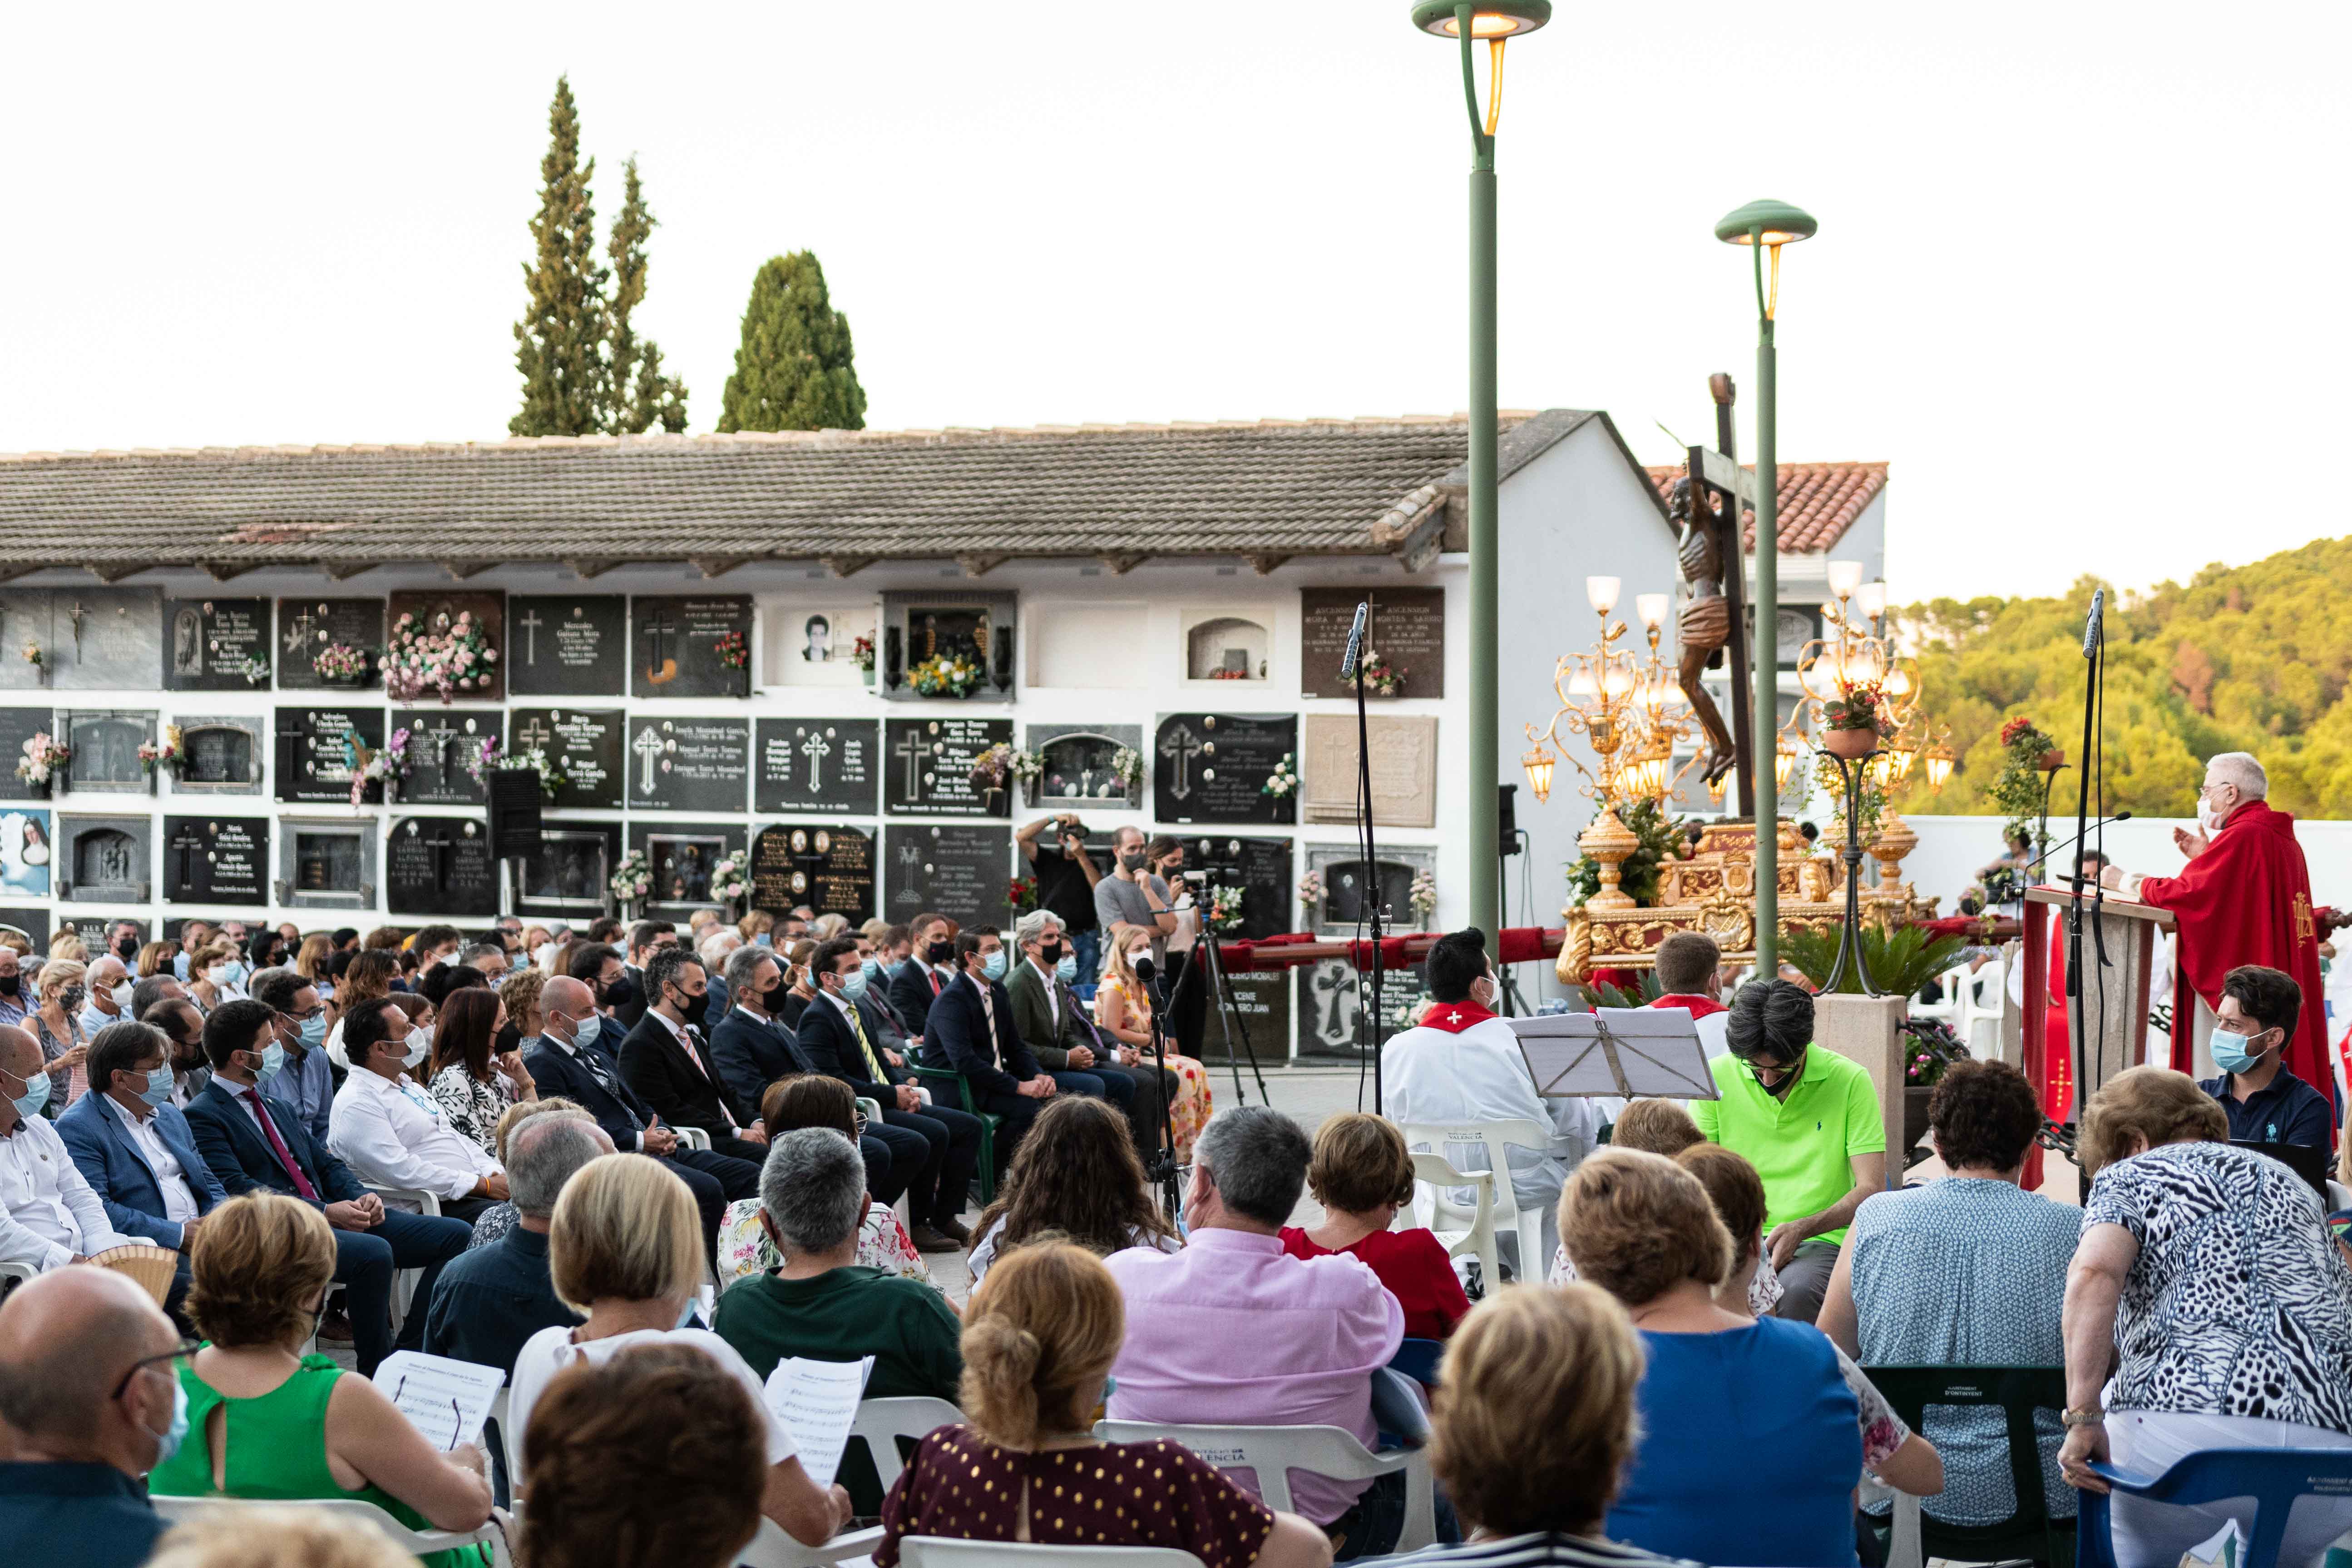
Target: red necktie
[(278, 1146), (936, 987)]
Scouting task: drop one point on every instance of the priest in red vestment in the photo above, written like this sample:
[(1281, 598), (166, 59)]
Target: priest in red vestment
[(2245, 897)]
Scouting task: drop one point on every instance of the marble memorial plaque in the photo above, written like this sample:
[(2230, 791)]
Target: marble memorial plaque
[(317, 748), (830, 869), (109, 638), (1077, 765), (27, 851), (963, 871), (689, 764), (569, 873), (816, 765), (435, 611), (679, 645), (927, 767), (216, 645), (217, 860), (1333, 1000), (1406, 628), (441, 743), (327, 863), (567, 645), (18, 725), (220, 754), (105, 744), (1213, 768), (1264, 1029), (588, 741), (105, 860), (308, 627), (440, 866), (1404, 768), (681, 857)]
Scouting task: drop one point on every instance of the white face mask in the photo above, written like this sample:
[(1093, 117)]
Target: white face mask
[(2209, 817), (419, 1042), (122, 994), (221, 973)]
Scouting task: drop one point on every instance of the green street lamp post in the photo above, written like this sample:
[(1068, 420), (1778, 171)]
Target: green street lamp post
[(1761, 227), (1494, 21)]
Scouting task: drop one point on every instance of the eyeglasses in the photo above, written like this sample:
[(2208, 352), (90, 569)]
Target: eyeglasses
[(315, 1011), (184, 1348)]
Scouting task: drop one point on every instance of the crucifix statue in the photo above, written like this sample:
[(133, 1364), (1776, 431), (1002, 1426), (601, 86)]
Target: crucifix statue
[(530, 622), (77, 613), (1707, 510), (647, 745), (911, 747), (816, 748), (1180, 749), (1704, 626)]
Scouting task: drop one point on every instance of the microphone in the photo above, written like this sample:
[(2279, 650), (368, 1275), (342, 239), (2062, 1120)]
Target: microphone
[(1355, 641), (2094, 630), (1144, 971), (2119, 816)]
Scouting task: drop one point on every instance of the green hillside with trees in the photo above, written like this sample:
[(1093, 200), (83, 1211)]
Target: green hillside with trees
[(2241, 658)]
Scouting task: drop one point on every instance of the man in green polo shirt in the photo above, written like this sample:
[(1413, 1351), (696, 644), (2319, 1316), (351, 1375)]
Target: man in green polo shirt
[(1808, 1120)]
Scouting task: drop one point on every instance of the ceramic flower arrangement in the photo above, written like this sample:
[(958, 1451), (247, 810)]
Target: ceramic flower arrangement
[(1226, 910), (734, 650), (340, 662), (729, 880), (1423, 896), (490, 756)]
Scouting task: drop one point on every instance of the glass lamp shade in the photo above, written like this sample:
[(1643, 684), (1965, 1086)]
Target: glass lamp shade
[(1939, 764), (1652, 608), (1539, 765), (1845, 576), (1601, 593), (1870, 600), (1582, 684), (1784, 762)]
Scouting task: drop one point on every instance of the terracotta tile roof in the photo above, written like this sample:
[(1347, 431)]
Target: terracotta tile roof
[(1262, 489), (1819, 502)]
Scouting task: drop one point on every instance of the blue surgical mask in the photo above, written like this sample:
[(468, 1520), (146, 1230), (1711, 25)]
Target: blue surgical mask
[(273, 1058), (853, 986), (314, 1032), (168, 1441), (590, 1028), (685, 1313), (1067, 970), (993, 966), (158, 1085), (36, 1095), (872, 970), (1110, 1387), (2230, 1053)]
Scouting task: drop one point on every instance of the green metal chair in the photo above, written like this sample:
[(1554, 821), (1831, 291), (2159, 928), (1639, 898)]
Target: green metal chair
[(2029, 1533), (961, 1097)]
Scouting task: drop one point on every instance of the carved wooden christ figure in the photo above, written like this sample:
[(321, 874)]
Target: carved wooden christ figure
[(1704, 627)]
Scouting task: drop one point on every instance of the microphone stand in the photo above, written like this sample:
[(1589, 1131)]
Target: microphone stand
[(1161, 1166), (2093, 651), (1372, 884)]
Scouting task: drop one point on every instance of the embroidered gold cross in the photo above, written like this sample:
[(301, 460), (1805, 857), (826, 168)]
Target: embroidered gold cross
[(2304, 930)]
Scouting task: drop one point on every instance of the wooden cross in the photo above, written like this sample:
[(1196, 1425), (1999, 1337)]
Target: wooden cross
[(1180, 749), (660, 664), (530, 622)]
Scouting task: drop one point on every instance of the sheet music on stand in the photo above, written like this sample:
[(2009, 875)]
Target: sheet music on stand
[(1638, 1053)]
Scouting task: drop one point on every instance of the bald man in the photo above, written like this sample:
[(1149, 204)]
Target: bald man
[(92, 1403), (49, 1215)]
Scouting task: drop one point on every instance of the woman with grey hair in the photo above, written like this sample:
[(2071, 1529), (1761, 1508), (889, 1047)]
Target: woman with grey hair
[(823, 1304)]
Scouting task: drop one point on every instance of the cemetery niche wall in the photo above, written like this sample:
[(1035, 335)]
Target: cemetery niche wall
[(828, 868), (27, 851), (569, 874), (1080, 765), (926, 636), (444, 752), (690, 645), (1216, 769), (1406, 627), (328, 643), (928, 768), (682, 857), (959, 870), (588, 744), (816, 765), (217, 860), (689, 763), (216, 645), (18, 725), (106, 745), (220, 754), (319, 748), (107, 860), (567, 645), (1404, 768), (329, 863), (440, 866)]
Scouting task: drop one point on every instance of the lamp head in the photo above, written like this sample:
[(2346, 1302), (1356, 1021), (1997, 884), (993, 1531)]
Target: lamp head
[(1488, 18), (1773, 223), (1870, 600), (1845, 576), (1653, 609), (1601, 593)]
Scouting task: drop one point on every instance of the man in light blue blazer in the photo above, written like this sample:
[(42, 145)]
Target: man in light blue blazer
[(136, 1149)]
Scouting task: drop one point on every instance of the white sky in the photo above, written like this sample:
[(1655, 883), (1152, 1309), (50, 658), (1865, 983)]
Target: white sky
[(2078, 273)]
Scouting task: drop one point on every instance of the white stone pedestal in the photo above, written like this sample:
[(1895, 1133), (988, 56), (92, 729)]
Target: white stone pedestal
[(1864, 1030)]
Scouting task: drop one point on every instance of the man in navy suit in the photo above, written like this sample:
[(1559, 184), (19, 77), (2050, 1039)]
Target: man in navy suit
[(571, 1062), (930, 971), (251, 1144), (667, 1059), (971, 1030), (135, 1149), (749, 1042)]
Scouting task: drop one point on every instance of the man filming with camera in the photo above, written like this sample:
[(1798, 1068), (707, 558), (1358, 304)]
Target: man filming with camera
[(1066, 878)]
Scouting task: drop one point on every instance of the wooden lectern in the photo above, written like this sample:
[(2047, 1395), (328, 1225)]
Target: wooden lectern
[(2114, 1034)]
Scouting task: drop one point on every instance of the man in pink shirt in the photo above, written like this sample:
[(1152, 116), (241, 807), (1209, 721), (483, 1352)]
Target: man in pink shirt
[(1233, 1331)]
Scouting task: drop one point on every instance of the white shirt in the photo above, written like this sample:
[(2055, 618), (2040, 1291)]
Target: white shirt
[(550, 1351), (1053, 992), (1479, 1075), (52, 1217), (391, 1134), (179, 1198)]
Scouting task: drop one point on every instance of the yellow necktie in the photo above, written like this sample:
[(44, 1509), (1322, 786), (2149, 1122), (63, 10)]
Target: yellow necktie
[(857, 1025)]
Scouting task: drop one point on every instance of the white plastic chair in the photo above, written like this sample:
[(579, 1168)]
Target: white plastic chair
[(507, 1439), (880, 1423), (692, 1137), (20, 1272), (1954, 985), (771, 1548), (1988, 1005), (1431, 1174), (1273, 1452), (1498, 1138), (940, 1551), (493, 1534), (403, 1284)]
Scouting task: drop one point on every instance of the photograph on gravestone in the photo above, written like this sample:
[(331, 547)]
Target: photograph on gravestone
[(927, 767), (104, 859), (217, 860), (1213, 769), (27, 618), (1260, 869), (326, 644), (318, 748), (216, 645), (830, 869), (105, 743), (440, 866), (326, 863), (220, 754), (18, 725), (27, 851), (1221, 646), (1404, 768), (1341, 870), (1330, 1001), (971, 626), (689, 764), (680, 857), (105, 638), (813, 642), (444, 752), (30, 923), (962, 871), (1078, 766), (567, 645), (586, 740), (1262, 1000), (690, 645), (567, 874), (816, 765), (1406, 627), (462, 631)]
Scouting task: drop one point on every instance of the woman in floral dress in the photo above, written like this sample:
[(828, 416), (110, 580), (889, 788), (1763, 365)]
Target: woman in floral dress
[(1123, 1010)]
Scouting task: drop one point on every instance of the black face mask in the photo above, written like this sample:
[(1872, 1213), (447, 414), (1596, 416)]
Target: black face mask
[(509, 1040), (939, 953), (695, 1007), (1049, 951), (11, 983), (126, 949), (620, 994)]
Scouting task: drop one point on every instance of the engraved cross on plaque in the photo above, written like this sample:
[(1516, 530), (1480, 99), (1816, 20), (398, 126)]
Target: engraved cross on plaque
[(535, 735), (648, 745), (1180, 749), (297, 631), (816, 748), (530, 622), (909, 858), (912, 748)]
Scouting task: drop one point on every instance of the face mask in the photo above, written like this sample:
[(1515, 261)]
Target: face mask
[(685, 1313), (158, 1085), (11, 983), (872, 970), (419, 1042), (168, 1441), (2208, 821), (765, 939), (939, 953), (2230, 1052), (126, 949), (314, 1032), (1049, 951), (73, 997), (509, 1040), (273, 1058), (1067, 970), (696, 1008), (620, 994), (121, 995), (36, 1095), (1131, 860), (993, 966), (590, 1028), (853, 986), (221, 973)]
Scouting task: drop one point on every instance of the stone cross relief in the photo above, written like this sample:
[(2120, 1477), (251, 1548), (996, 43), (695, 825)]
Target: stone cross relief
[(1180, 749), (534, 735), (297, 631)]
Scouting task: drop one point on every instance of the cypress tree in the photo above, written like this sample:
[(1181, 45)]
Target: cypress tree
[(793, 369), (560, 342), (640, 393)]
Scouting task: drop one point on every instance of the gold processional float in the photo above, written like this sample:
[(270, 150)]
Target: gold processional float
[(1860, 700)]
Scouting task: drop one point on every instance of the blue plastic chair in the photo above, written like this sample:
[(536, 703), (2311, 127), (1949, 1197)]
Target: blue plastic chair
[(2274, 1478)]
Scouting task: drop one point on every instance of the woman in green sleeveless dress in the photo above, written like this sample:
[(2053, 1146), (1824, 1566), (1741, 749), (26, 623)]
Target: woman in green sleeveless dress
[(269, 1424)]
